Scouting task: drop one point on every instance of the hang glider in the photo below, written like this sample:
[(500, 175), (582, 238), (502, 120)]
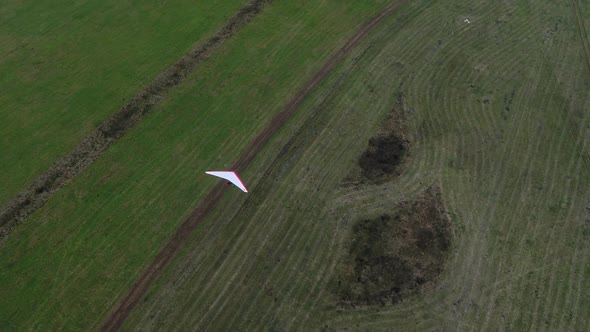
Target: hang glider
[(231, 177)]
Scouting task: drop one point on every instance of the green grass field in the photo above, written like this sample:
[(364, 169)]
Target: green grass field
[(66, 66), (498, 115), (76, 256), (496, 109)]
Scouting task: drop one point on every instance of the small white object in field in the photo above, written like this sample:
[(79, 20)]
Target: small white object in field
[(466, 21)]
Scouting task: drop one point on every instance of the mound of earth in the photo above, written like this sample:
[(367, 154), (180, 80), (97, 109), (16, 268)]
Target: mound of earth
[(393, 256)]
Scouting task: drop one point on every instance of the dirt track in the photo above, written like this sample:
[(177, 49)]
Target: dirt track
[(137, 292)]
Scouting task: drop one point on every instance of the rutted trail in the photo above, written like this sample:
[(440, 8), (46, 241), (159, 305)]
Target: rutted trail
[(152, 272)]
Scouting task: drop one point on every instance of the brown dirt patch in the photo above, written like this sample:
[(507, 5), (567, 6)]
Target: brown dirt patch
[(383, 156), (386, 152), (394, 256)]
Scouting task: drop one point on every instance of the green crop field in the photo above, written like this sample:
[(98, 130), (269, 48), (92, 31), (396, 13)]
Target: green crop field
[(493, 99)]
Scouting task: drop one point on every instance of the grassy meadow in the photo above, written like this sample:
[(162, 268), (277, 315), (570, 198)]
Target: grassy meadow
[(65, 66), (498, 116), (71, 261), (497, 112)]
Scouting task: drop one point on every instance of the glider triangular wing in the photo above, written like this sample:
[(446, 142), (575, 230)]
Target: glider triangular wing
[(231, 177)]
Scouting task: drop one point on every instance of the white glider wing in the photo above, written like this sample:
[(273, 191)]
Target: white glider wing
[(231, 177)]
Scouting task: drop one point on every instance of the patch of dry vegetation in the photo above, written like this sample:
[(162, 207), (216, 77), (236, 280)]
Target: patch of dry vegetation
[(393, 256), (387, 151)]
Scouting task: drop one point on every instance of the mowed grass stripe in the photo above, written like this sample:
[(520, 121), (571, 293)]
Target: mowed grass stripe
[(566, 126), (519, 182), (548, 182), (576, 166), (558, 301), (523, 171), (463, 160), (498, 188), (550, 240), (577, 285), (446, 106)]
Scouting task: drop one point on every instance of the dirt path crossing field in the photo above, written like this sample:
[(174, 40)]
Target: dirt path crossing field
[(152, 272)]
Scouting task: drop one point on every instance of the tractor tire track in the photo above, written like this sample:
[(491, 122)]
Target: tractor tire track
[(153, 271)]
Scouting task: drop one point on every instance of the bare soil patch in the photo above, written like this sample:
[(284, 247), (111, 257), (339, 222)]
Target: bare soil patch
[(394, 256), (383, 156)]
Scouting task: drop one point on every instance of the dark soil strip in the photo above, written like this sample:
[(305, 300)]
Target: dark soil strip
[(91, 147), (124, 308)]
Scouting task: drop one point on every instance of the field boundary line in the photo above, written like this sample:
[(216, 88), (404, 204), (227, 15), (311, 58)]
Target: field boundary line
[(118, 316), (37, 193)]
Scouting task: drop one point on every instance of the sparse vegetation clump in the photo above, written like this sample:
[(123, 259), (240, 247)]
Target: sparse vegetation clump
[(393, 256)]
